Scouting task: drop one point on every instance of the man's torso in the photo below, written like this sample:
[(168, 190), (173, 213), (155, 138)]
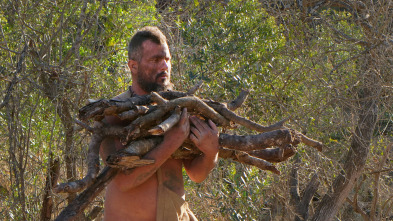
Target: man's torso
[(140, 203)]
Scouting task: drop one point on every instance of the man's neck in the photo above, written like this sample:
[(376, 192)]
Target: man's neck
[(136, 89)]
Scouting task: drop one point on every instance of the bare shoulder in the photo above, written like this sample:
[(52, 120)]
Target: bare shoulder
[(123, 95)]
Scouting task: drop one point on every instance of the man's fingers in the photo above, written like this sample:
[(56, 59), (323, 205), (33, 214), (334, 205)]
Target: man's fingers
[(212, 125), (183, 116), (198, 123), (195, 131), (193, 138)]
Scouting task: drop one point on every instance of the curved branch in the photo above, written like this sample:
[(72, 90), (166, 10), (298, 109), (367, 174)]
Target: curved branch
[(310, 142), (221, 109), (93, 164), (83, 200), (15, 78), (196, 87), (235, 104), (245, 158)]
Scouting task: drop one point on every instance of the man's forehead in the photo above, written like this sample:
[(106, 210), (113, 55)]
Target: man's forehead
[(152, 47)]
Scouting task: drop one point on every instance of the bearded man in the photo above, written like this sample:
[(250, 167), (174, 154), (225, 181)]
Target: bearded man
[(156, 191)]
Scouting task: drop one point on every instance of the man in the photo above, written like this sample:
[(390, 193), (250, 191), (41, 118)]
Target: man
[(156, 191)]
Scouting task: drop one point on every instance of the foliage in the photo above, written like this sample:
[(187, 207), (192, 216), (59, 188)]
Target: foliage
[(312, 66)]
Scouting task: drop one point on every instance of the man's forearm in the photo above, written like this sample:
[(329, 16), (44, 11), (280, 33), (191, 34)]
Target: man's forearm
[(141, 174), (199, 168)]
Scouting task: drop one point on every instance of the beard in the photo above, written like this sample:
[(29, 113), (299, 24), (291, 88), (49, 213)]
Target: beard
[(149, 85)]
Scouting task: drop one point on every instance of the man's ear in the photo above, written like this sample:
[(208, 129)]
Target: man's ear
[(133, 65)]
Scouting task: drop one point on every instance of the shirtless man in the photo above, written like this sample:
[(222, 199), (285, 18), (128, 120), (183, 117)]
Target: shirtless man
[(144, 193)]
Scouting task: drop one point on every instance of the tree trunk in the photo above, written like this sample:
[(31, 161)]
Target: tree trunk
[(83, 200), (51, 179), (356, 157)]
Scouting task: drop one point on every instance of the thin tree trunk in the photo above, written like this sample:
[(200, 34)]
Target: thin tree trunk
[(51, 179), (83, 200), (355, 159)]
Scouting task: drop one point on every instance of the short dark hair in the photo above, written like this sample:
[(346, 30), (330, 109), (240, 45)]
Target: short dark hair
[(151, 33)]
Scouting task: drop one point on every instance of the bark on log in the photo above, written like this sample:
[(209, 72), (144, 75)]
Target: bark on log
[(95, 110), (274, 155), (245, 158), (167, 124), (278, 138), (133, 114)]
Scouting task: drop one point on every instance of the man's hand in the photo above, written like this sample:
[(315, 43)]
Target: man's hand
[(178, 133), (204, 136)]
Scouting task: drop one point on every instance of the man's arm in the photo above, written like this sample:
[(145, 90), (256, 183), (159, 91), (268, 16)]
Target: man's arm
[(205, 137), (173, 139)]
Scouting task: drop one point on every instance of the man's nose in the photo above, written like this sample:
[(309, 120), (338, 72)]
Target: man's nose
[(165, 65)]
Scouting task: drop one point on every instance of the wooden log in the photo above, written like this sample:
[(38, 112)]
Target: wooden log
[(95, 110), (133, 114), (260, 141), (250, 149), (167, 124), (274, 155), (192, 103)]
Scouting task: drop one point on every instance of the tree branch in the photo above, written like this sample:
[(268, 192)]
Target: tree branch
[(15, 78)]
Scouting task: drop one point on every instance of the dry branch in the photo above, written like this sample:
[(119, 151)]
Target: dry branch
[(83, 200), (224, 111), (146, 118), (145, 115), (133, 114), (274, 155), (95, 110), (167, 124), (245, 158), (260, 141), (93, 163), (238, 102), (192, 90)]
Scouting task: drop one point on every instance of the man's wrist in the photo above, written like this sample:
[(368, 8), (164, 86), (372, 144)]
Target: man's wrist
[(211, 157), (171, 141)]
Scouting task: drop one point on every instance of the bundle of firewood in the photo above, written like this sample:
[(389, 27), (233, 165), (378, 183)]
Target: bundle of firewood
[(150, 116)]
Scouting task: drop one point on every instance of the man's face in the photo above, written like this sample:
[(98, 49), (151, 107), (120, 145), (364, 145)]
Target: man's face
[(154, 68)]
